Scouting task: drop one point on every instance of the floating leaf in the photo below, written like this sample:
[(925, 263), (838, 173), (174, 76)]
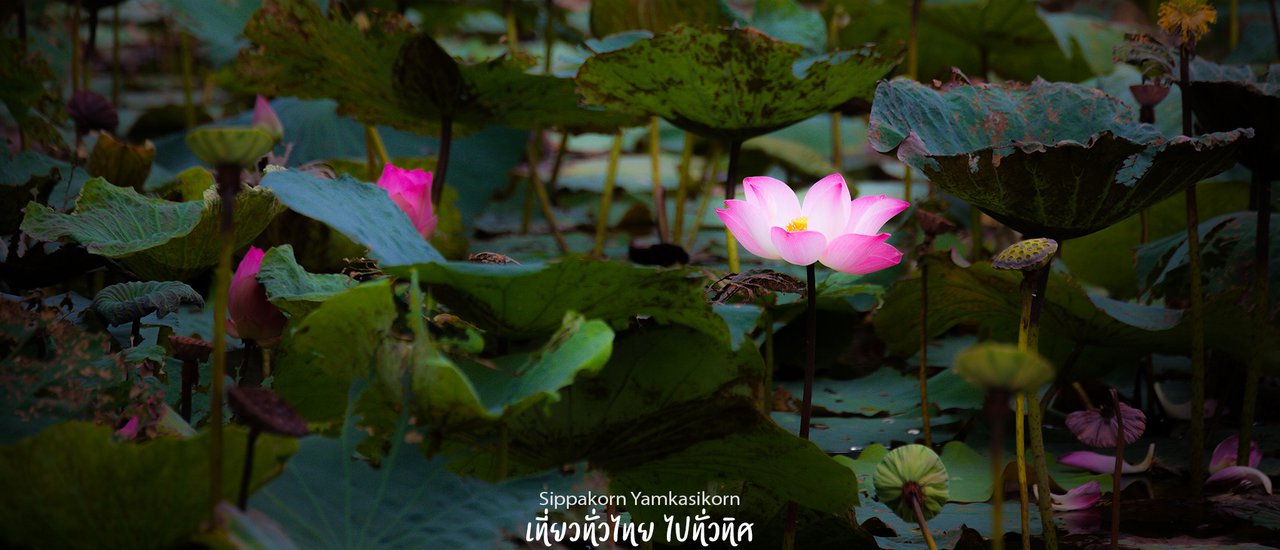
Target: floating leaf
[(360, 210), (82, 489), (127, 302), (291, 288), (530, 300), (728, 83), (1026, 154), (153, 238)]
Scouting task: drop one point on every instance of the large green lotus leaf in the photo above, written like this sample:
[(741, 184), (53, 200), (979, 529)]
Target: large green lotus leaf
[(1107, 258), (327, 499), (74, 486), (656, 16), (645, 418), (512, 383), (153, 238), (127, 302), (530, 300), (887, 392), (291, 288), (1008, 37), (1228, 97), (1048, 159), (336, 343), (360, 210), (728, 83), (303, 53), (1227, 254), (530, 101)]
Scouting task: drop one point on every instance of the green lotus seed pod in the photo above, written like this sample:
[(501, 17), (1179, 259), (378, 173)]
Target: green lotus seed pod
[(908, 471), (222, 145), (1028, 255), (993, 366), (122, 164)]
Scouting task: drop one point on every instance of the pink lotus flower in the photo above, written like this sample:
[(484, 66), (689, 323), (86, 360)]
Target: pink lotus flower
[(1224, 455), (411, 191), (1241, 479), (830, 228), (264, 117), (1098, 427), (1105, 464), (1080, 498), (249, 314)]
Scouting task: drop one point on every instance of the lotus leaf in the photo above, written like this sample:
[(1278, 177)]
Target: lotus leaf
[(1053, 160)]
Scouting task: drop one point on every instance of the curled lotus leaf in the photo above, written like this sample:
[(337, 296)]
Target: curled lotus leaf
[(127, 302), (1225, 97), (1048, 159), (732, 84), (994, 366), (907, 465), (1027, 255), (225, 145)]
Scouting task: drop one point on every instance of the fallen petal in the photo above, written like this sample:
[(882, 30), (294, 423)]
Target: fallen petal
[(1224, 455), (1237, 479), (1182, 411), (1080, 498), (1105, 464)]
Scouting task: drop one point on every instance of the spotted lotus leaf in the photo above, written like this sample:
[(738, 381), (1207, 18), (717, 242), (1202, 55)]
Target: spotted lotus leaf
[(731, 84), (1048, 159), (1228, 97), (1028, 255)]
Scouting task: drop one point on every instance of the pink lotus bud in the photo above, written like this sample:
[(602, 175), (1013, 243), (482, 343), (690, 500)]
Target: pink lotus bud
[(249, 314), (411, 191), (264, 117), (1224, 455), (829, 227)]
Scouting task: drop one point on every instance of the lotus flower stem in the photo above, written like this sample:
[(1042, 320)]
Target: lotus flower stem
[(86, 73), (266, 363), (806, 404), (548, 39), (1233, 27), (924, 349), (837, 148), (1020, 449), (377, 150), (228, 187), (730, 187), (370, 156), (1196, 292), (115, 55), (1115, 476), (188, 105), (606, 196), (682, 190), (247, 472), (250, 368), (767, 404), (561, 150), (442, 163), (1261, 307), (504, 452), (76, 62), (513, 32), (655, 166), (544, 200), (924, 525), (704, 200), (996, 406), (190, 377)]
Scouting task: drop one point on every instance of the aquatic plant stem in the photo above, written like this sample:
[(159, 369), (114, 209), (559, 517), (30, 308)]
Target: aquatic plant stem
[(188, 104), (924, 525), (228, 187), (923, 372), (1034, 285), (561, 150), (767, 405), (806, 403), (682, 189), (606, 196), (1196, 293), (76, 57), (655, 166), (1115, 475), (730, 187), (996, 405), (707, 186), (86, 72), (247, 472), (190, 377), (115, 56), (913, 72), (442, 162), (1261, 308), (544, 200), (1020, 449), (1275, 26)]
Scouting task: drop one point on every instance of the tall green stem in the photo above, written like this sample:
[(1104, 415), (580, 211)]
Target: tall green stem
[(544, 200), (924, 525), (923, 373), (704, 199), (1034, 285), (1261, 307), (606, 196), (1197, 298), (77, 60), (1117, 472), (996, 407), (682, 189), (730, 187), (228, 187), (442, 163), (247, 472), (655, 167), (810, 352), (115, 56)]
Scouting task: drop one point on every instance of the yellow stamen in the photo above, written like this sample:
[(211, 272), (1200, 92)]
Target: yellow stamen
[(1189, 20), (798, 224)]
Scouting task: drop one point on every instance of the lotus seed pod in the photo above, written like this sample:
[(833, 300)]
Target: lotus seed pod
[(1028, 255), (912, 470), (993, 366), (221, 146)]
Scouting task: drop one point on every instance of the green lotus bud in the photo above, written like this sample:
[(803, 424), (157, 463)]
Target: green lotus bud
[(1028, 255), (993, 366), (223, 145), (122, 164), (912, 472)]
